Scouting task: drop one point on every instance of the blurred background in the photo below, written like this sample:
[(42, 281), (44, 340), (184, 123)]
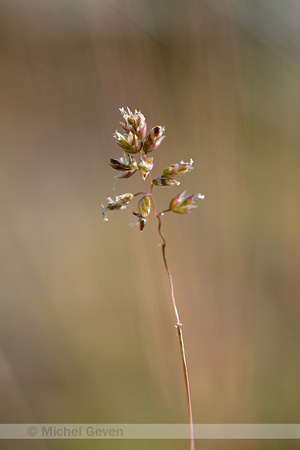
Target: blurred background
[(86, 323)]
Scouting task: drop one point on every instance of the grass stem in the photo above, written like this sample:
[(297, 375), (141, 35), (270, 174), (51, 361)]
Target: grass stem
[(178, 323)]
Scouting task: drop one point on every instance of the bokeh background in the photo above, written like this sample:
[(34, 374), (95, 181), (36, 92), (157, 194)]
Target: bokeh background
[(86, 324)]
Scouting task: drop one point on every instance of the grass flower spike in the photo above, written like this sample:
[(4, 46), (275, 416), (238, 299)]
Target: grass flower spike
[(145, 167), (136, 123), (154, 139), (129, 142), (178, 169), (184, 204), (120, 202), (144, 208), (165, 181), (127, 164), (134, 141)]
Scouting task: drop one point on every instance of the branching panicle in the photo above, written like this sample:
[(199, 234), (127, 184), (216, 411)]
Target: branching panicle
[(133, 141)]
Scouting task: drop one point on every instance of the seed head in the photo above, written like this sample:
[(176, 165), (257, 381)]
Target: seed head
[(120, 202), (178, 169), (136, 140), (127, 165), (134, 122), (145, 166), (165, 181), (129, 142), (184, 204), (154, 139), (144, 208)]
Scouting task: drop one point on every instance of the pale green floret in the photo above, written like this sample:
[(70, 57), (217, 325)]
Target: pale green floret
[(120, 202), (183, 204)]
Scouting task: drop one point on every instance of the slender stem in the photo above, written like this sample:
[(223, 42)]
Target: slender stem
[(140, 193), (178, 323), (164, 211)]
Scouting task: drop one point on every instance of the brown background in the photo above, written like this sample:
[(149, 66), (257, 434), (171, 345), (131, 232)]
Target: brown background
[(86, 324)]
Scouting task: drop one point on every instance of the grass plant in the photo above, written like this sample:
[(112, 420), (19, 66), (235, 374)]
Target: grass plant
[(136, 141)]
